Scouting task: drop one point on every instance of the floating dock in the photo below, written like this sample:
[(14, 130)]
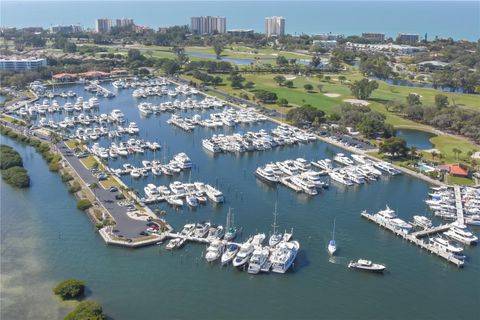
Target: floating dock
[(414, 238)]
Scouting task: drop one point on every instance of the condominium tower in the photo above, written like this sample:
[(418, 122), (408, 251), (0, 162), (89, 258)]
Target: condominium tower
[(208, 25), (275, 26)]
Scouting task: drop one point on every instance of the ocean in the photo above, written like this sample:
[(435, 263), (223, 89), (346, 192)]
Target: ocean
[(456, 19)]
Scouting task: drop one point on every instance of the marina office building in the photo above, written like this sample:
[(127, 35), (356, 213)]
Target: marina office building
[(21, 64), (208, 25), (275, 26)]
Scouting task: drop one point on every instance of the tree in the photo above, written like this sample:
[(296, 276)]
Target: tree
[(362, 89), (342, 79), (84, 204), (308, 87), (441, 101), (288, 84), (94, 186), (279, 79), (217, 80), (16, 177), (375, 65), (282, 102), (395, 147), (266, 96), (182, 57), (327, 78), (413, 99), (9, 157), (320, 87), (282, 61), (320, 76), (86, 310), (249, 85), (170, 66), (134, 55), (413, 152), (236, 80), (305, 115), (218, 49), (456, 152), (434, 154), (69, 289)]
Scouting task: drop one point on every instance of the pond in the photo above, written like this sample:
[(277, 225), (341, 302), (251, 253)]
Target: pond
[(406, 83), (416, 138)]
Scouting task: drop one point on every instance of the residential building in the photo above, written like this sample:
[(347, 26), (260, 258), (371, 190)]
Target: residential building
[(275, 26), (103, 25), (21, 64), (432, 65), (66, 29), (407, 38), (208, 25), (325, 43), (374, 36), (240, 32), (124, 22)]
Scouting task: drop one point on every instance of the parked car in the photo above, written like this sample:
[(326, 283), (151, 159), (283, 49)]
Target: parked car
[(113, 189)]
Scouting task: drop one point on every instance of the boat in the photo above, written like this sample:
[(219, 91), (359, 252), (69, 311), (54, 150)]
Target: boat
[(174, 243), (275, 237), (343, 159), (366, 265), (422, 221), (214, 251), (284, 255), (211, 146), (174, 201), (215, 233), (191, 200), (445, 244), (214, 194), (230, 253), (201, 229), (462, 235), (246, 250), (231, 230), (266, 174), (332, 245), (258, 258)]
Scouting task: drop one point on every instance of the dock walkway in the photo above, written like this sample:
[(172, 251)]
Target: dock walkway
[(414, 239), (459, 205)]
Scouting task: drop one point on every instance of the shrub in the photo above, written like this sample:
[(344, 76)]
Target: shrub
[(54, 166), (69, 289), (66, 177), (17, 177), (75, 187), (84, 204), (9, 157), (86, 310)]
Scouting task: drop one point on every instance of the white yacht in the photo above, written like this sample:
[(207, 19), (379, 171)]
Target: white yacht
[(215, 233), (343, 159), (151, 191), (183, 160), (284, 255), (305, 185), (230, 253), (117, 115), (191, 200), (266, 174), (366, 265), (462, 235), (336, 176), (214, 251), (360, 158), (246, 250), (214, 194), (422, 221), (258, 258), (445, 245), (201, 229), (388, 216), (211, 146)]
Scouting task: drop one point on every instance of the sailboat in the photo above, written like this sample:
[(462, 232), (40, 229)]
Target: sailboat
[(230, 227), (332, 245), (276, 237)]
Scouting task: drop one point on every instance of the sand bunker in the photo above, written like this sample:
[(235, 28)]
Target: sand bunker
[(332, 95), (357, 102), (291, 77)]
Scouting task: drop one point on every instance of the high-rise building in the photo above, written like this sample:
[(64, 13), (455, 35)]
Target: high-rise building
[(103, 25), (374, 36), (124, 22), (275, 26), (407, 38), (208, 25), (66, 29)]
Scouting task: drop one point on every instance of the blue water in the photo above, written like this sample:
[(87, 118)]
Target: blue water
[(456, 19), (419, 85), (416, 138), (44, 239)]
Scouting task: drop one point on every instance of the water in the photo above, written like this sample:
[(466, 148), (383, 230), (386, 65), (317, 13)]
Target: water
[(44, 239), (416, 138), (419, 85), (342, 17)]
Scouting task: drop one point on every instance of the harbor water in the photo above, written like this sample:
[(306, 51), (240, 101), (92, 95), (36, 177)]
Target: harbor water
[(416, 138), (45, 239)]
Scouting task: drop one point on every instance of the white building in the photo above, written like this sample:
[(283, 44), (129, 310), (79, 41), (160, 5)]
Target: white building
[(105, 25), (21, 64), (275, 26), (208, 25), (66, 29)]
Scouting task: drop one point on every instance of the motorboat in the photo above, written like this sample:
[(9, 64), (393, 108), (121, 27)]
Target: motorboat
[(243, 255), (191, 200), (214, 194), (215, 232), (266, 174), (214, 251), (366, 265), (343, 159), (422, 221), (258, 258), (211, 146), (284, 255), (174, 243), (230, 253), (446, 245), (174, 201), (462, 235), (201, 229)]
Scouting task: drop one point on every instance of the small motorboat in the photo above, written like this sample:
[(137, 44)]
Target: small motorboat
[(366, 265)]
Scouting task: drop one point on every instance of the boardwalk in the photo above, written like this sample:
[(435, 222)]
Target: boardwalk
[(414, 239)]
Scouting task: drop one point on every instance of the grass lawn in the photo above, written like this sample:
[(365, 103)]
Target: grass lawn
[(110, 182), (459, 181), (446, 143), (71, 144), (88, 161)]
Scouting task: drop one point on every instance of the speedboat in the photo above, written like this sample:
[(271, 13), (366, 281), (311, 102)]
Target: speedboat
[(259, 256), (229, 253), (284, 255), (214, 251), (366, 265)]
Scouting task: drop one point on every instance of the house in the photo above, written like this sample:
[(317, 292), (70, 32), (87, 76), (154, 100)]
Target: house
[(457, 169)]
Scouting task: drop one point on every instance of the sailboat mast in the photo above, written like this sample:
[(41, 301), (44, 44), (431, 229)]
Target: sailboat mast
[(333, 233), (274, 225)]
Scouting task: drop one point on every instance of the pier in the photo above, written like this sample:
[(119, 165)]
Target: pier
[(414, 238), (459, 205)]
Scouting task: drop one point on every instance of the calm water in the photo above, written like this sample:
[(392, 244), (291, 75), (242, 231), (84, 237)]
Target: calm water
[(311, 17), (44, 239), (416, 138)]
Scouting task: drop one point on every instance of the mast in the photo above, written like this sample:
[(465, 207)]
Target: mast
[(333, 233), (227, 226), (274, 225)]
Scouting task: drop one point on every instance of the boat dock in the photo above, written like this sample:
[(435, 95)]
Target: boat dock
[(414, 239), (459, 205), (429, 231)]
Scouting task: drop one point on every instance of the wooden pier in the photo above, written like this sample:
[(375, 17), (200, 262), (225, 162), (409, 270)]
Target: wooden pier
[(459, 205), (414, 239)]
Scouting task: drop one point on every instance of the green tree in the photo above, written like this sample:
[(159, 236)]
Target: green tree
[(218, 49), (308, 87), (282, 61), (441, 101), (362, 89), (16, 177), (84, 204), (413, 99), (282, 102), (236, 80), (249, 85), (288, 84), (69, 289), (86, 310), (279, 79), (395, 147)]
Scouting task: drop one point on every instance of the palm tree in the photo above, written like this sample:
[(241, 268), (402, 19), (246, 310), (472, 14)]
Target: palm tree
[(456, 151), (434, 154), (413, 152)]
